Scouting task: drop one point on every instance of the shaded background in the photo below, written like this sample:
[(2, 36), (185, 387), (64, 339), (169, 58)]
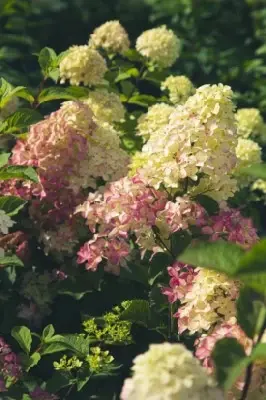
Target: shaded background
[(223, 40)]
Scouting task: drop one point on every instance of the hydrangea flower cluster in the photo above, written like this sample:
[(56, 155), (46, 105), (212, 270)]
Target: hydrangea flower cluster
[(155, 119), (106, 106), (111, 36), (160, 45), (197, 146), (180, 88), (127, 207), (205, 345), (207, 297), (199, 140), (82, 64), (169, 372), (40, 394), (10, 368), (249, 123)]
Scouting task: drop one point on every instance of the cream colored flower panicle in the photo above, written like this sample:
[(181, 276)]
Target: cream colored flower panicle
[(106, 106), (212, 300), (248, 152), (156, 117), (82, 65), (169, 372), (106, 160), (159, 45), (249, 122), (180, 88), (198, 143), (110, 36)]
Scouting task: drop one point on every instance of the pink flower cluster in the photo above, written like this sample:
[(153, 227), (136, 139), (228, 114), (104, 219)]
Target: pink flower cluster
[(10, 369), (40, 394), (232, 226), (206, 343), (182, 278), (56, 146), (129, 206)]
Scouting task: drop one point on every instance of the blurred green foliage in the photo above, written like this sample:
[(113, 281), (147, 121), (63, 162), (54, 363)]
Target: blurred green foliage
[(223, 40)]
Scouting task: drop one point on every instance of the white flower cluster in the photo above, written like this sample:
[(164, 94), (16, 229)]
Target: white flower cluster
[(106, 159), (156, 118), (169, 372), (180, 88), (211, 300), (111, 37), (106, 106), (198, 145), (249, 123), (5, 222), (82, 65), (248, 152), (160, 45)]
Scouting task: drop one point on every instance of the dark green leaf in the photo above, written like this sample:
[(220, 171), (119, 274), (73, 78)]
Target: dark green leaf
[(33, 360), (143, 100), (137, 311), (53, 348), (23, 336), (58, 381), (11, 204), (179, 242), (158, 266), (251, 312), (47, 58), (21, 119), (230, 361), (210, 205), (61, 93), (10, 260), (135, 272), (219, 256), (18, 172)]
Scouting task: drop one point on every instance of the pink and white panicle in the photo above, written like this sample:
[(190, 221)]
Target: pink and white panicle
[(130, 207)]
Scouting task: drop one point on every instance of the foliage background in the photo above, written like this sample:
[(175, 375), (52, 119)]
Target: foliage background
[(223, 40)]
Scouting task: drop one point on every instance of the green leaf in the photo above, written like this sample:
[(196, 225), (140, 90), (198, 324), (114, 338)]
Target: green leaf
[(143, 100), (132, 55), (210, 205), (137, 311), (21, 119), (230, 361), (76, 343), (48, 332), (83, 379), (58, 381), (251, 312), (135, 272), (219, 256), (158, 266), (259, 352), (33, 360), (179, 242), (61, 93), (4, 159), (11, 204), (7, 91), (252, 267), (18, 172), (23, 336), (10, 260), (257, 171), (127, 89), (53, 348), (47, 58), (130, 73)]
